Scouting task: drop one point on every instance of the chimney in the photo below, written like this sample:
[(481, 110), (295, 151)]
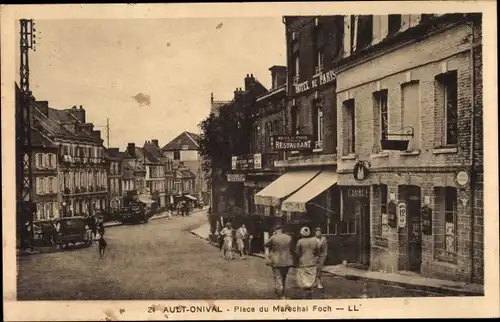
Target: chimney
[(131, 149), (43, 106), (96, 134), (278, 76), (155, 142), (248, 82), (78, 113), (211, 97)]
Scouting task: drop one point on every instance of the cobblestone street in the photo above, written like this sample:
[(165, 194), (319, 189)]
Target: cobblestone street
[(163, 260)]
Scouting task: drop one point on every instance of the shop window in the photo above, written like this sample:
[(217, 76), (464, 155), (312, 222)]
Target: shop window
[(446, 238), (394, 24), (446, 91), (349, 127)]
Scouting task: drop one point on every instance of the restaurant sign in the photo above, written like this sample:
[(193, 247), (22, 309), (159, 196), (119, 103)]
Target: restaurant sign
[(315, 81), (292, 142)]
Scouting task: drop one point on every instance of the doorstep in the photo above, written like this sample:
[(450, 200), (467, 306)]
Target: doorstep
[(407, 280)]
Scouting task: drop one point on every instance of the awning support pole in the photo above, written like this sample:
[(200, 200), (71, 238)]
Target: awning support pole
[(319, 206)]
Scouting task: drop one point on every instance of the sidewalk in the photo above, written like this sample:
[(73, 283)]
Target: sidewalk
[(403, 279), (156, 216)]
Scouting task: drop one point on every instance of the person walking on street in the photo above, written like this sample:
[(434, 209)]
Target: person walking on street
[(100, 226), (280, 258), (323, 250), (306, 251), (241, 236), (227, 235)]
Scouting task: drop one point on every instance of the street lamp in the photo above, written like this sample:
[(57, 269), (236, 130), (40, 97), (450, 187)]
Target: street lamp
[(64, 208)]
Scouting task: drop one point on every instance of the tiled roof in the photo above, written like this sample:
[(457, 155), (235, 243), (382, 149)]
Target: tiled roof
[(154, 153), (40, 140), (185, 139)]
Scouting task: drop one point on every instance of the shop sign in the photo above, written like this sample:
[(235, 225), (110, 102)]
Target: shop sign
[(257, 161), (462, 178), (355, 192), (244, 162), (401, 214), (315, 81), (236, 177), (292, 142), (360, 171)]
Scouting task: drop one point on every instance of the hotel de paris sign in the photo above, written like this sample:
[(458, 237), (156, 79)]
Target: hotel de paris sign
[(315, 81)]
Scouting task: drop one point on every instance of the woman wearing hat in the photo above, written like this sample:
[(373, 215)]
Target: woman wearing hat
[(306, 250)]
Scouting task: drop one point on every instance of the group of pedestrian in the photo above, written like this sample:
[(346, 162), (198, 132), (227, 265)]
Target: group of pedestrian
[(307, 256), (226, 236)]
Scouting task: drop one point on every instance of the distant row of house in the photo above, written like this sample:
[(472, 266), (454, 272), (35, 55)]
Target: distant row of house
[(73, 174)]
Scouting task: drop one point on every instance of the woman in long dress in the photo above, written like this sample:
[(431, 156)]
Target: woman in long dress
[(227, 235), (306, 250), (241, 236)]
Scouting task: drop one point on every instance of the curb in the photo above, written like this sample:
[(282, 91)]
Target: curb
[(418, 287), (447, 291)]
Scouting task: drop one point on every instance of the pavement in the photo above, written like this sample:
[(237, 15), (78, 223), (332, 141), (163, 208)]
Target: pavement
[(163, 260), (402, 279)]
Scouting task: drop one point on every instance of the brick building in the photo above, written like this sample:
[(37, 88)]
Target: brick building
[(306, 194), (82, 168), (410, 171)]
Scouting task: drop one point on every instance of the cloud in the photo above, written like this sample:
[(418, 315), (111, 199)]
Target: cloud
[(142, 99)]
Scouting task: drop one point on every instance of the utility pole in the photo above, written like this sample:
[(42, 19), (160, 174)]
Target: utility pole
[(107, 131), (25, 207)]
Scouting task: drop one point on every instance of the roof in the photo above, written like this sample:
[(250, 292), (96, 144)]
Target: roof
[(113, 153), (154, 154), (184, 173), (185, 139), (40, 140)]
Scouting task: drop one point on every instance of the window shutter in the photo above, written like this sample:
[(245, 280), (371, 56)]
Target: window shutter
[(55, 210), (54, 184), (38, 186)]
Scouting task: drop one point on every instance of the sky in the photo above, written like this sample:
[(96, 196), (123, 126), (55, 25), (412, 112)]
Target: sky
[(151, 77)]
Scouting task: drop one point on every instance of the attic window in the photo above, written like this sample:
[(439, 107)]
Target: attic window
[(185, 147)]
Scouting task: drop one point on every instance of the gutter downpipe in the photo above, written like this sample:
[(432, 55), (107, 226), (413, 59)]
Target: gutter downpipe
[(471, 161)]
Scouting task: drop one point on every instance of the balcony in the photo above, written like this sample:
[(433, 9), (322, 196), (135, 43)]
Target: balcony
[(84, 190), (308, 160)]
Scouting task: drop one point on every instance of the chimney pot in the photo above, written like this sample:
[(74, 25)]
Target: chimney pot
[(251, 75), (81, 107), (212, 97), (248, 75)]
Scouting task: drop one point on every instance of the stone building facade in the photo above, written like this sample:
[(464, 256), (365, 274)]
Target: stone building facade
[(414, 79)]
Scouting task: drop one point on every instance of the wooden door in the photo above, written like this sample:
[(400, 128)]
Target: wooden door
[(361, 212), (414, 229)]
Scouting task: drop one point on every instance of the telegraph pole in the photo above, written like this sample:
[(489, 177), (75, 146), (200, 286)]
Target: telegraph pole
[(107, 131), (25, 208)]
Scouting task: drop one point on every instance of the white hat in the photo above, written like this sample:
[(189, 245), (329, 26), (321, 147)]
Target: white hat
[(305, 231)]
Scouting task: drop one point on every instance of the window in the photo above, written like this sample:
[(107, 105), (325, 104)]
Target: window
[(296, 70), (39, 160), (381, 228), (50, 185), (364, 31), (447, 98), (295, 120), (446, 239), (317, 46), (318, 127), (349, 127), (394, 24), (381, 118), (411, 112), (177, 155)]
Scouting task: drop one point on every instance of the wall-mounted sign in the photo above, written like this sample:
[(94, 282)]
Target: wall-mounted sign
[(257, 161), (360, 171), (462, 178), (246, 162), (401, 214), (236, 177), (292, 142), (315, 81), (357, 192)]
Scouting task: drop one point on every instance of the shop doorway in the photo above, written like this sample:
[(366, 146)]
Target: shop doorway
[(362, 215), (411, 195)]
